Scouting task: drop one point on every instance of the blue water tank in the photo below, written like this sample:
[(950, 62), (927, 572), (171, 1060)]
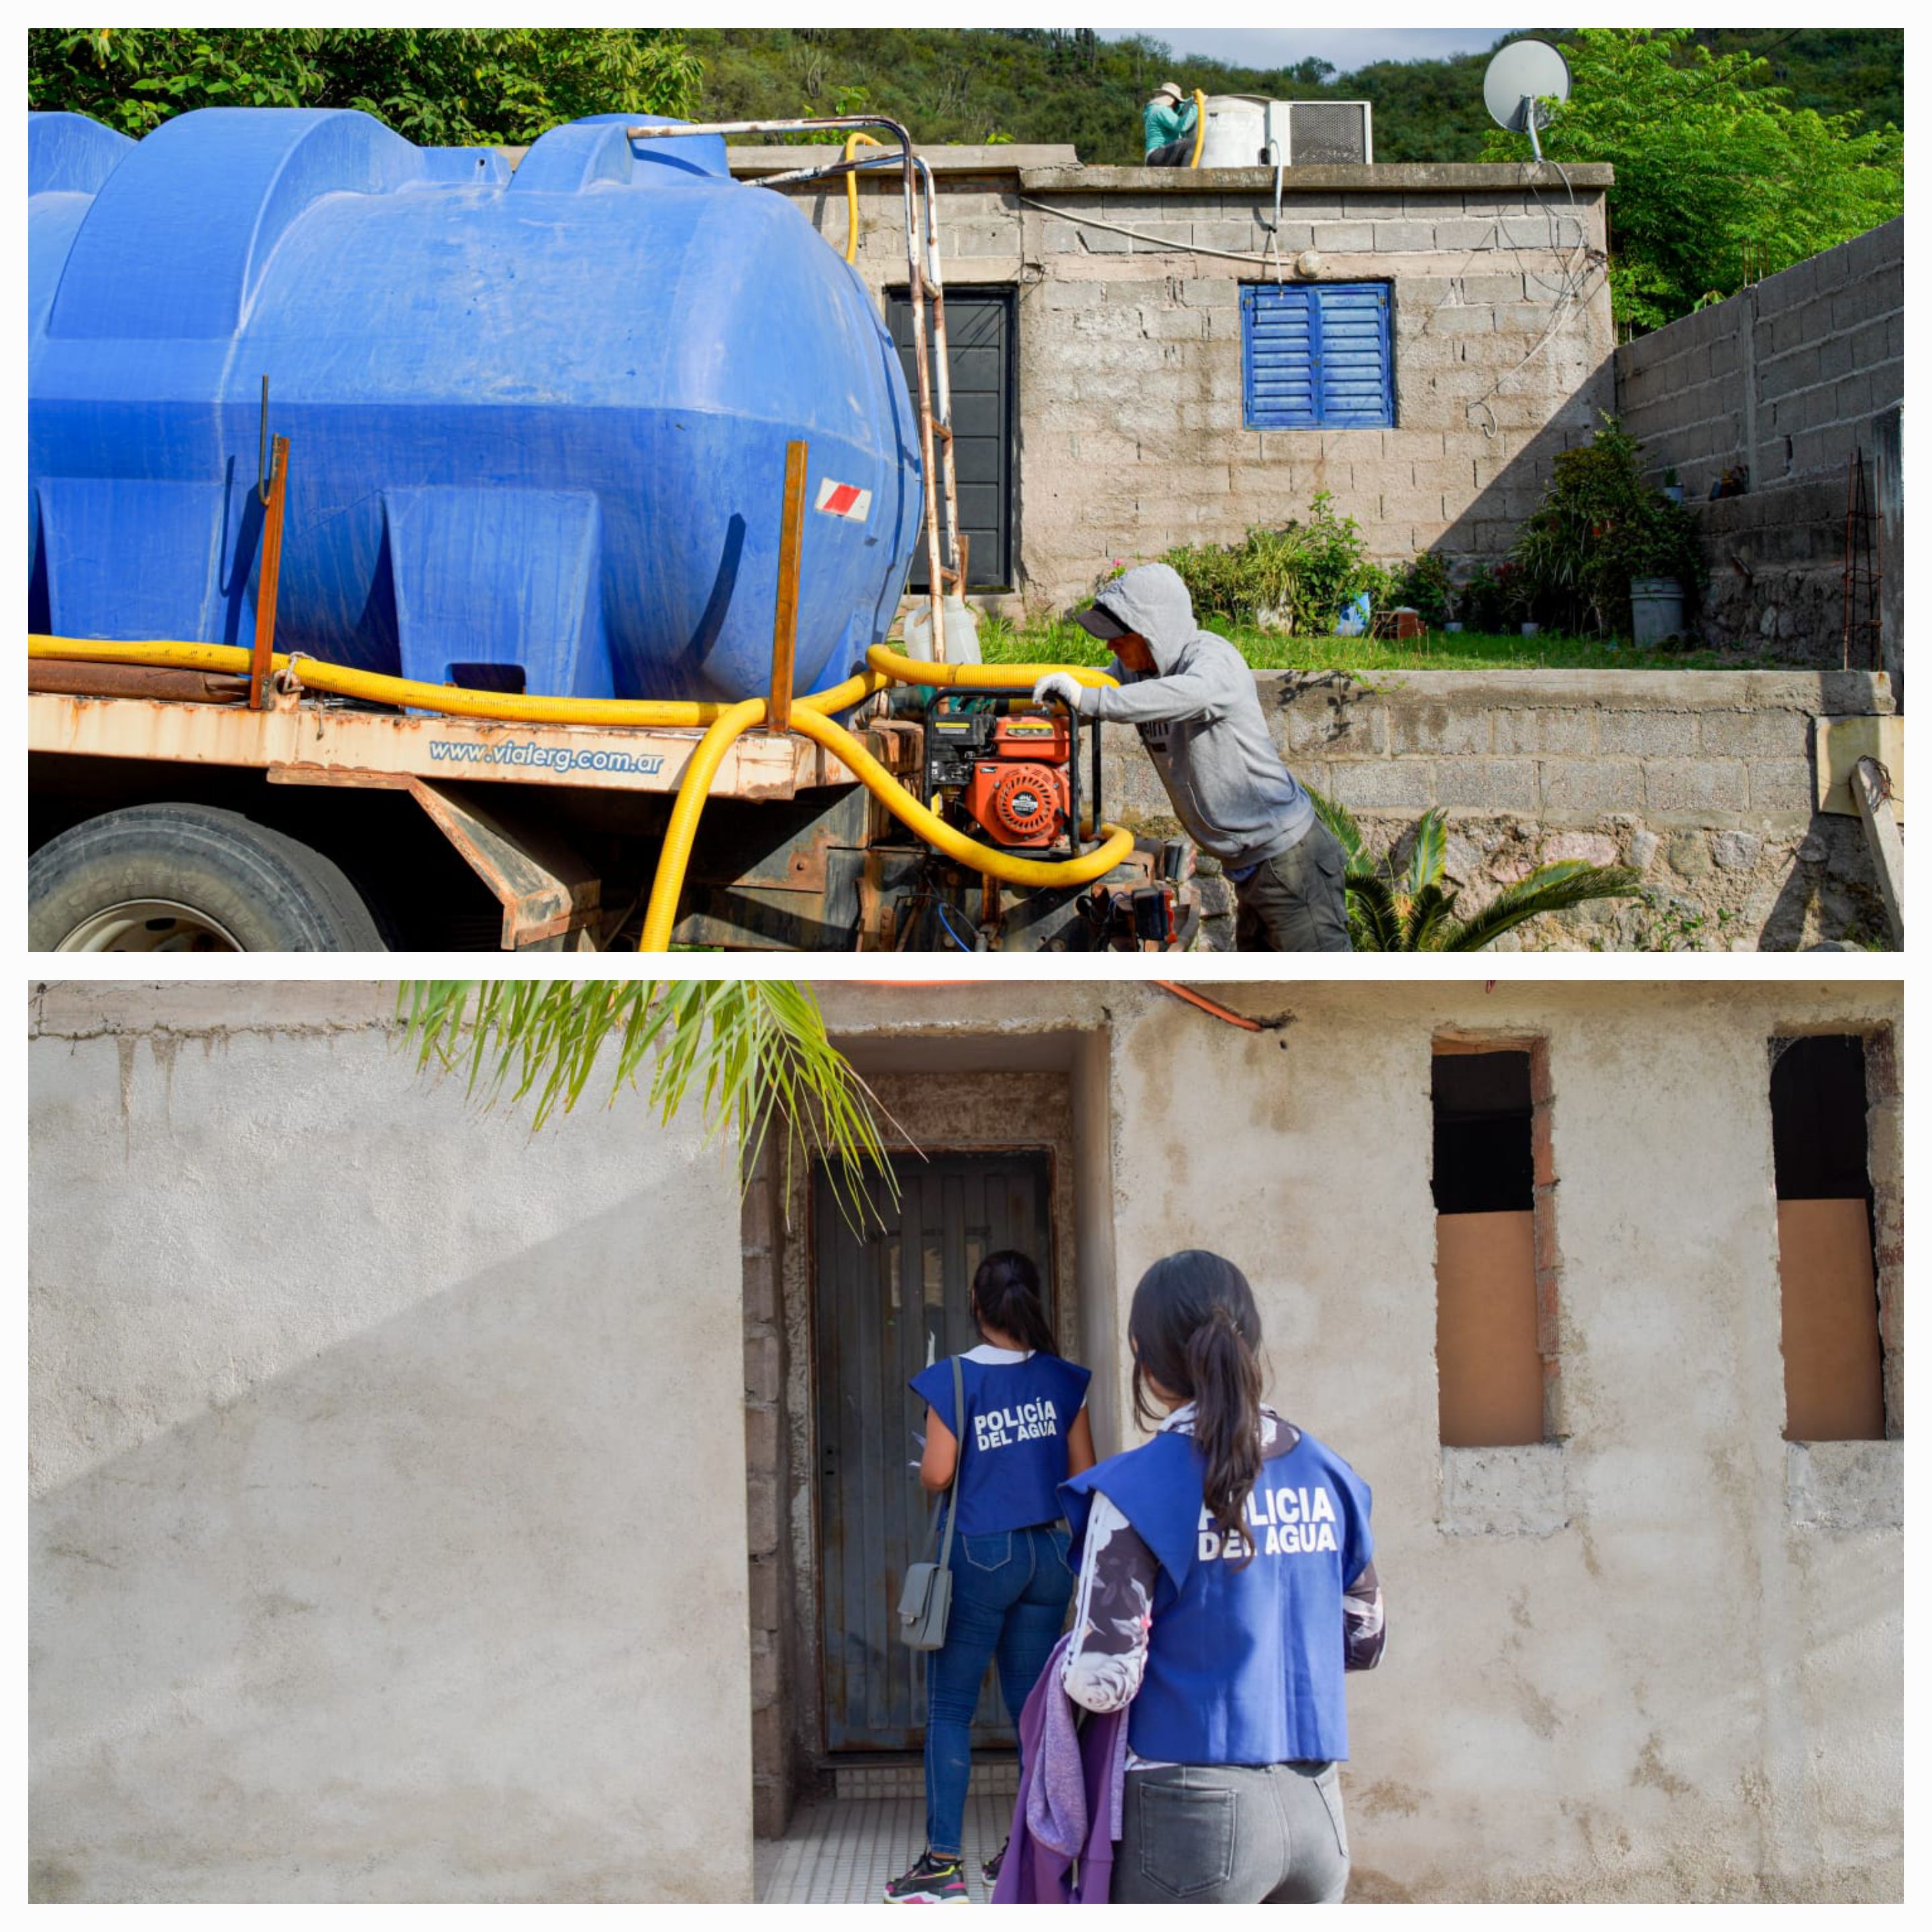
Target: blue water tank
[(537, 419)]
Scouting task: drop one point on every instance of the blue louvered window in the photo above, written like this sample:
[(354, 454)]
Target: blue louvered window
[(1316, 355)]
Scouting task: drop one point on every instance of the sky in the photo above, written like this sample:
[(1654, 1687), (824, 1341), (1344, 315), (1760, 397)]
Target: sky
[(1347, 47)]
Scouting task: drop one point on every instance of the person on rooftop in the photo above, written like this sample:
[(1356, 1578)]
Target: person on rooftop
[(1167, 125)]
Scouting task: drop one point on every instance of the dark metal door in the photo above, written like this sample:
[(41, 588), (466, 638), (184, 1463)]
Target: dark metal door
[(979, 342), (884, 1307)]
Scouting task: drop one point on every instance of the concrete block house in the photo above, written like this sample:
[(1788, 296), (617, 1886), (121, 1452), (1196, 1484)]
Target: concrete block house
[(1149, 356)]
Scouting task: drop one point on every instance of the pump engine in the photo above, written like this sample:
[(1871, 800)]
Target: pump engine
[(1007, 772)]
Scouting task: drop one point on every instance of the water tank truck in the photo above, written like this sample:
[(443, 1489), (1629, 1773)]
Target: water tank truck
[(573, 500)]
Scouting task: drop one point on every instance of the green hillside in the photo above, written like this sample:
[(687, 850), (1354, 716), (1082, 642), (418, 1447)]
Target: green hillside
[(1063, 86), (1721, 156)]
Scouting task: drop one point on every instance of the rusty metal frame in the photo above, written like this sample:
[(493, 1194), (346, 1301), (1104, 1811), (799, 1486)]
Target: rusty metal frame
[(546, 890), (297, 739), (269, 588), (784, 617), (81, 677)]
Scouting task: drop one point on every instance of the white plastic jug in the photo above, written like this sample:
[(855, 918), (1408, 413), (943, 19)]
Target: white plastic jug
[(962, 631)]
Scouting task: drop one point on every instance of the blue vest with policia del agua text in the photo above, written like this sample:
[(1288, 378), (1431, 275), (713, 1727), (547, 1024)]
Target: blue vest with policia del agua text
[(1013, 1446), (1244, 1663)]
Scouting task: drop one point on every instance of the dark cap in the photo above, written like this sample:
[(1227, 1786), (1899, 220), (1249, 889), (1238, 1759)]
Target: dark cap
[(1101, 623)]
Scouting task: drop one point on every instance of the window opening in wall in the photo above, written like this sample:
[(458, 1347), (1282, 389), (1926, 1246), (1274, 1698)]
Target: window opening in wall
[(1834, 1358), (1317, 355), (1489, 1368)]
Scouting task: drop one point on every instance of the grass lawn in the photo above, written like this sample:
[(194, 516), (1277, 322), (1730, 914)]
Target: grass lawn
[(1054, 641)]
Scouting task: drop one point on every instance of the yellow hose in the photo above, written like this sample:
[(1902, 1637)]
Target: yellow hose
[(853, 143), (693, 788), (506, 707), (1200, 127), (725, 724), (956, 844), (970, 677)]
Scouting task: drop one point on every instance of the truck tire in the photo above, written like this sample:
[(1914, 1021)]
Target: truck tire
[(189, 878)]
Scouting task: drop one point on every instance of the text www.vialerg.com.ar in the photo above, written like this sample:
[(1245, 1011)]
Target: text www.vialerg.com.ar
[(549, 758)]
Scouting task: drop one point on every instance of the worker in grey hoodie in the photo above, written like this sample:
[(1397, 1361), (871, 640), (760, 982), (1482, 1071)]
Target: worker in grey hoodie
[(1193, 696)]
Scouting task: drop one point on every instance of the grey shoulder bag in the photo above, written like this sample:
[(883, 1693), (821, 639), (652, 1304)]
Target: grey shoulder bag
[(928, 1595)]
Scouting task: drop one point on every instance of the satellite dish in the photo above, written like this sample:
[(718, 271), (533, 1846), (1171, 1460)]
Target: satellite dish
[(1521, 74)]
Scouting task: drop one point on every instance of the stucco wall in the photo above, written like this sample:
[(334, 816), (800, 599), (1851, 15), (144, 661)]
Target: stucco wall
[(1650, 1664), (370, 1558), (1130, 433)]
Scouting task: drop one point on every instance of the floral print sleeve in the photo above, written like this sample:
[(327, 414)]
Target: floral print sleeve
[(1112, 1608), (1364, 1628)]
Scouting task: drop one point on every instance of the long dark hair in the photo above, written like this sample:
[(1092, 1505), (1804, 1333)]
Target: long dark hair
[(1007, 1296), (1195, 1330)]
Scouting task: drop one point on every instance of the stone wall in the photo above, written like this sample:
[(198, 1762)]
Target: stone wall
[(1130, 436), (1786, 380), (367, 1556), (1701, 780)]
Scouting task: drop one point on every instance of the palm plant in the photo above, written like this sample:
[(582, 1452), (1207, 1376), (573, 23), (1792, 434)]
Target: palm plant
[(1412, 908), (753, 1052)]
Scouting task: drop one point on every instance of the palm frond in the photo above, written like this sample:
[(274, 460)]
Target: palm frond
[(751, 1053), (1340, 822), (1430, 922), (1427, 855), (1375, 923), (1549, 888)]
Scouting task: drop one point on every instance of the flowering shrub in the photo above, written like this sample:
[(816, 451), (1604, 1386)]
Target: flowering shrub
[(1297, 578), (1494, 598)]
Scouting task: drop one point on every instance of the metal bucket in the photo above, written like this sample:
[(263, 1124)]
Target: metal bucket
[(1656, 611)]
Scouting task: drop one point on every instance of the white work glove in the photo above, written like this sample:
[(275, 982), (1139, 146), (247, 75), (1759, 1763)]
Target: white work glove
[(1060, 684)]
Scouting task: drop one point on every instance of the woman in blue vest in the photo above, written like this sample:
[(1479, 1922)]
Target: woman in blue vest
[(1024, 1431), (1226, 1586)]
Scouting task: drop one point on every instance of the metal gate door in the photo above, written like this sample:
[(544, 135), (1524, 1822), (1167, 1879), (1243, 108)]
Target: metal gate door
[(884, 1307), (979, 337)]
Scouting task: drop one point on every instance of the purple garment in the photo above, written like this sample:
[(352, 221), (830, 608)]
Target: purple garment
[(1067, 1816)]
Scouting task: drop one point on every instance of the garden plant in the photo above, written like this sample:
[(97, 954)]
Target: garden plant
[(1410, 907)]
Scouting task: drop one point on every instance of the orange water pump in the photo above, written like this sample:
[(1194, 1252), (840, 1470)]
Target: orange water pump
[(1019, 793), (1009, 770)]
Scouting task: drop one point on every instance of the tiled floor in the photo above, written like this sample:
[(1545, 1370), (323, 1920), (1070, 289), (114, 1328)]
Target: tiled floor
[(843, 1851)]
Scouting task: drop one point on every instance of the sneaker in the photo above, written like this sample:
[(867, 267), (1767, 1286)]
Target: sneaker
[(933, 1881), (991, 1867)]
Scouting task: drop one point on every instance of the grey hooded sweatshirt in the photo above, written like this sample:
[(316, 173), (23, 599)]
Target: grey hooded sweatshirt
[(1202, 724)]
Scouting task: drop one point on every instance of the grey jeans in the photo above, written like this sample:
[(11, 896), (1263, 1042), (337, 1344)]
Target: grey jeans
[(1232, 1835), (1296, 902)]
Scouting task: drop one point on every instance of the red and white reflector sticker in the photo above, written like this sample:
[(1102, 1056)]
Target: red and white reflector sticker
[(844, 499)]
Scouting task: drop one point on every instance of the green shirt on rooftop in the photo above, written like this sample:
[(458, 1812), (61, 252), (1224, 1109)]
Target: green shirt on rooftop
[(1162, 123)]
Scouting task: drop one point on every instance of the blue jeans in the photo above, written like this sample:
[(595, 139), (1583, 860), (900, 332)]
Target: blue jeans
[(1010, 1592)]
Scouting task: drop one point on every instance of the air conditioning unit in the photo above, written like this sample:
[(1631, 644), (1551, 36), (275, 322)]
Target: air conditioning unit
[(1247, 130)]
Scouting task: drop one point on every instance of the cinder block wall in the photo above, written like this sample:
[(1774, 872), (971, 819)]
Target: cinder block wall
[(1786, 380), (1701, 781), (1129, 420)]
